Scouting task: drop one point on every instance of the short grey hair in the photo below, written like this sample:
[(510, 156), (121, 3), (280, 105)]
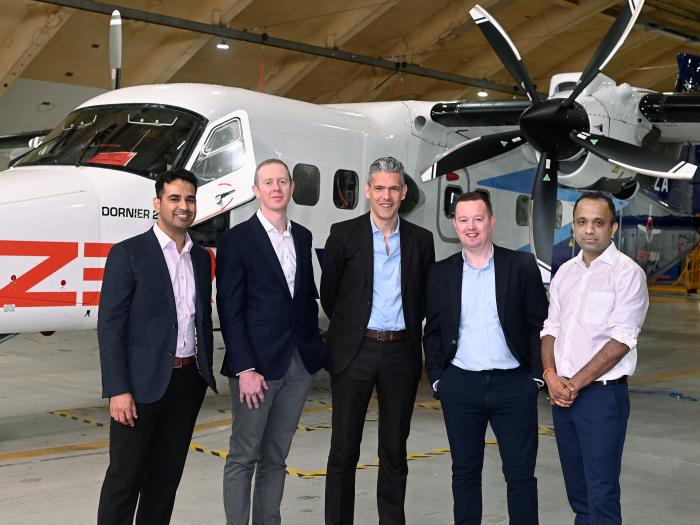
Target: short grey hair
[(267, 163), (386, 165)]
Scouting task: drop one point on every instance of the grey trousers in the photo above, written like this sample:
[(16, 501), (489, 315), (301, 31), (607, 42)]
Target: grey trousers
[(260, 441)]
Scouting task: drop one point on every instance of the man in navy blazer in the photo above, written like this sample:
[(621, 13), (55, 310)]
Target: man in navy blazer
[(155, 337), (485, 307), (266, 299)]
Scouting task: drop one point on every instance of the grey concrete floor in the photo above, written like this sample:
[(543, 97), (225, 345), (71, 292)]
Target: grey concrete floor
[(53, 440)]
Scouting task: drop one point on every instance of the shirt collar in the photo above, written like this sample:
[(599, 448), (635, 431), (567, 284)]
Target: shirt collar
[(609, 256), (375, 229), (164, 240), (268, 226), (488, 264)]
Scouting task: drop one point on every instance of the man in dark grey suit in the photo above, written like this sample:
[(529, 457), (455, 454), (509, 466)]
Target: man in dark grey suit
[(155, 337), (373, 291)]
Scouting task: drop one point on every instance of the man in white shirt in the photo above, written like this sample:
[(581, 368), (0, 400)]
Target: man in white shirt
[(598, 301), (266, 299)]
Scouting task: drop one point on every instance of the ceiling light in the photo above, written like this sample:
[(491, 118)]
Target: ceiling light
[(222, 45), (482, 94)]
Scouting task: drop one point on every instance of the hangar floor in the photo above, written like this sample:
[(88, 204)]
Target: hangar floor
[(53, 440)]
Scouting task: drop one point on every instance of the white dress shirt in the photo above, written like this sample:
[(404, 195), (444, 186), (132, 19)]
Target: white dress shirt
[(182, 278), (590, 305), (283, 243)]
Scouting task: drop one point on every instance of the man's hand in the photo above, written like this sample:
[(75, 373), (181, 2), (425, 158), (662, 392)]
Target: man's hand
[(251, 385), (561, 391), (122, 408)]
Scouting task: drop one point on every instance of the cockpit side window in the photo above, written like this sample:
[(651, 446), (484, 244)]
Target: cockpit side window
[(223, 153)]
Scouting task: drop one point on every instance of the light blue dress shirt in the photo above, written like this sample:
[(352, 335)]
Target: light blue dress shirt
[(481, 344), (387, 307)]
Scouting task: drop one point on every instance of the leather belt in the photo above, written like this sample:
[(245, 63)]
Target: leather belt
[(179, 362), (384, 335), (605, 382)]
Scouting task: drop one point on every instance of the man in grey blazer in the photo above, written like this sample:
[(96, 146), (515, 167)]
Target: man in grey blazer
[(155, 337)]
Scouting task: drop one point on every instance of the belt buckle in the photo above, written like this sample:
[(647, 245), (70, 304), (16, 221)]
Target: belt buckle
[(383, 336), (178, 362)]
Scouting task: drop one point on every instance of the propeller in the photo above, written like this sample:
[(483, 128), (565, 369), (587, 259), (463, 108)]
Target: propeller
[(115, 48), (608, 46), (558, 129), (471, 152), (633, 158), (505, 49)]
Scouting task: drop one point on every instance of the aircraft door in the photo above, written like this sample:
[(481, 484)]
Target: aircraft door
[(450, 187), (224, 167)]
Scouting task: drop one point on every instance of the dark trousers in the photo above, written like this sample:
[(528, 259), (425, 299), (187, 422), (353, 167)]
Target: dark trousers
[(388, 366), (146, 461), (590, 436), (508, 400)]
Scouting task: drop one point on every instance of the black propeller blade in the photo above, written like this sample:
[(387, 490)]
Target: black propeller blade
[(633, 158), (544, 209), (505, 49), (608, 47), (472, 152)]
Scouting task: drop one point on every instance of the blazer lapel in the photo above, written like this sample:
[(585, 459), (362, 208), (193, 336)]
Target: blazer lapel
[(455, 288), (501, 268), (161, 267), (299, 249), (366, 249), (406, 244), (262, 240)]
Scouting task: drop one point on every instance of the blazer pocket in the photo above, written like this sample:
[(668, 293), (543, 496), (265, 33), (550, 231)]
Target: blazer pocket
[(598, 307)]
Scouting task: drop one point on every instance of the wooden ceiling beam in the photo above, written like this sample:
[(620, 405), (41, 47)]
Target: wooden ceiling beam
[(578, 59), (340, 28), (528, 36), (176, 50), (27, 39), (435, 32), (656, 71)]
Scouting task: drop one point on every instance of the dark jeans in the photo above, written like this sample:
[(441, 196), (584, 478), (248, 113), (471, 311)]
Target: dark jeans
[(590, 437), (508, 400), (146, 461), (388, 366)]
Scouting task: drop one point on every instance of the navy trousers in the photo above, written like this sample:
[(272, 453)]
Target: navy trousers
[(590, 436), (508, 400)]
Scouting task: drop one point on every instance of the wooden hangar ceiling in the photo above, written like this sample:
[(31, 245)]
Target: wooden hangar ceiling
[(51, 42)]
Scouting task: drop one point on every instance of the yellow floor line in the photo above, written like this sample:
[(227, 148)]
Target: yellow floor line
[(664, 376), (50, 451)]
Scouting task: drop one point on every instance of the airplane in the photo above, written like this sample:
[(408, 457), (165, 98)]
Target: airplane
[(90, 182)]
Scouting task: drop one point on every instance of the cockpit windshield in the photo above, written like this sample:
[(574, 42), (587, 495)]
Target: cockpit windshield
[(142, 139)]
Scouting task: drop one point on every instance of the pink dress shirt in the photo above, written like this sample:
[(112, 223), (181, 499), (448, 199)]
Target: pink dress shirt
[(182, 279), (589, 306)]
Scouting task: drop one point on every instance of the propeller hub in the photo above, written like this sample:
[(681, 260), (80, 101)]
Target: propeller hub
[(547, 124)]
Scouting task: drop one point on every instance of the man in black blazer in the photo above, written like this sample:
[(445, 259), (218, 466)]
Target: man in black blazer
[(266, 299), (373, 291), (155, 336), (485, 308)]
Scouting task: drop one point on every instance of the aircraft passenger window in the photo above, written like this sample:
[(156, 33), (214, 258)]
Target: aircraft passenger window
[(451, 194), (307, 184), (223, 153), (345, 188), (412, 196), (522, 210)]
